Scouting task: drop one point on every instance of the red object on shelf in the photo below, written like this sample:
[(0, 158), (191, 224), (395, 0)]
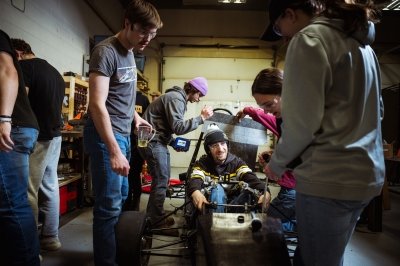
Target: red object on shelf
[(68, 197)]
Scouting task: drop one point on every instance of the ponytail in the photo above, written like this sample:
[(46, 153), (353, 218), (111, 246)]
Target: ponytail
[(355, 13)]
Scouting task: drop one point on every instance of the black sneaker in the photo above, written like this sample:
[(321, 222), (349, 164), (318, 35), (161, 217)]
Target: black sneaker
[(164, 227)]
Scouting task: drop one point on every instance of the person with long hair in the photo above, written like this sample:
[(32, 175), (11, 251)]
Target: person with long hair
[(331, 111), (266, 90)]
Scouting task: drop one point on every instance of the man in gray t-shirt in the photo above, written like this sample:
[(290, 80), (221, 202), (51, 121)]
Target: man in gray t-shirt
[(111, 59), (112, 83)]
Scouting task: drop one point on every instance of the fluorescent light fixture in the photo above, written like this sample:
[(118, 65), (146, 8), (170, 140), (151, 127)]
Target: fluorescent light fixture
[(393, 5), (232, 1)]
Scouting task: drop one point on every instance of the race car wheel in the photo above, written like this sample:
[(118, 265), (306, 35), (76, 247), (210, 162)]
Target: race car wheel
[(133, 236)]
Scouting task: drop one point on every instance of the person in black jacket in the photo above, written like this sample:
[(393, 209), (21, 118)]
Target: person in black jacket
[(220, 165)]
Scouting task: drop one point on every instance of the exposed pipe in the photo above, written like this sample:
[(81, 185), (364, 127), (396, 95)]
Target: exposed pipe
[(210, 37), (220, 46), (217, 46)]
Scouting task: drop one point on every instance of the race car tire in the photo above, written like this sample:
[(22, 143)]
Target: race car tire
[(132, 236)]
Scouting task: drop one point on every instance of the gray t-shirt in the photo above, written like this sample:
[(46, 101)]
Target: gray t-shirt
[(112, 60)]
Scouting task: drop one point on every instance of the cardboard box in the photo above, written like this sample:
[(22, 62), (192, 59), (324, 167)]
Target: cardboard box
[(388, 150)]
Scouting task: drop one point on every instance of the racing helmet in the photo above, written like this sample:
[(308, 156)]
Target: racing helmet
[(213, 135)]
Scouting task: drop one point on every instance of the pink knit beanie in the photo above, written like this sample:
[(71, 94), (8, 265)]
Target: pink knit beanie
[(200, 84)]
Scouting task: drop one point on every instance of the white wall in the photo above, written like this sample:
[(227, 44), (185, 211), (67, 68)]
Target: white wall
[(229, 79), (57, 30)]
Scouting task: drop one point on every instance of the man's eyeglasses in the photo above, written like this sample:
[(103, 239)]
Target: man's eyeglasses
[(143, 33), (217, 145)]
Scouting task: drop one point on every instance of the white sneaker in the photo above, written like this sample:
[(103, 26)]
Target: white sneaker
[(50, 243)]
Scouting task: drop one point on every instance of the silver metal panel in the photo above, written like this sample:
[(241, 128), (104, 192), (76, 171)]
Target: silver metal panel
[(223, 240), (247, 131)]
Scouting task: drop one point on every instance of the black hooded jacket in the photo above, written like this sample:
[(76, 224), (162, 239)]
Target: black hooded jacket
[(235, 169)]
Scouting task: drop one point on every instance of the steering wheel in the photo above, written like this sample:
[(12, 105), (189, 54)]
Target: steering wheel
[(222, 109)]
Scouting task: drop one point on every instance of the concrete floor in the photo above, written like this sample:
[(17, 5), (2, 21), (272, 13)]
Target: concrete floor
[(365, 248)]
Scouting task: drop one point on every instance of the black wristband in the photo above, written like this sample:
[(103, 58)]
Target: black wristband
[(5, 116)]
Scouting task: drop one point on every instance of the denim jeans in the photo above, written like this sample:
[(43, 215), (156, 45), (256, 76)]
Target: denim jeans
[(19, 243), (324, 228), (43, 181), (110, 190), (217, 195), (283, 206), (241, 199), (158, 161)]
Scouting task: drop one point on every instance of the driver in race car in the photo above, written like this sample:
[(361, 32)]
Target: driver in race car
[(223, 178)]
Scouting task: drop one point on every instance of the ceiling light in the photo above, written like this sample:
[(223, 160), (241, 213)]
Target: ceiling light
[(232, 1), (394, 5)]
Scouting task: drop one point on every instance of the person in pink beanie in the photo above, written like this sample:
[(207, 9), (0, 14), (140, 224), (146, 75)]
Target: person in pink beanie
[(200, 84), (166, 115)]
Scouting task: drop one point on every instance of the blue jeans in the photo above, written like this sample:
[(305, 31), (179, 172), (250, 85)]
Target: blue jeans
[(158, 160), (218, 196), (19, 242), (110, 190), (43, 177), (283, 206), (324, 228)]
